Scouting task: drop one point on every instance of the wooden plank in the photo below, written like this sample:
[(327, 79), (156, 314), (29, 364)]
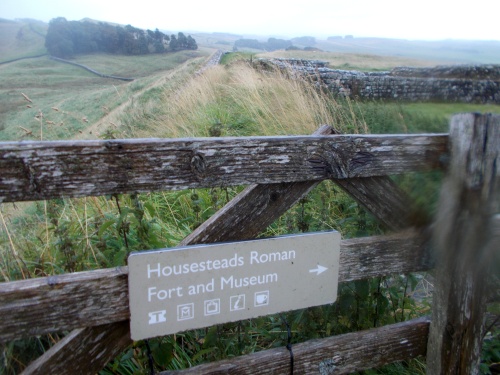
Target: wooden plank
[(65, 357), (382, 198), (45, 170), (57, 303), (253, 210), (403, 252), (465, 245), (342, 354)]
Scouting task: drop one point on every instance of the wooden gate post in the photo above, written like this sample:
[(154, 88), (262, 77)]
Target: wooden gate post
[(464, 242)]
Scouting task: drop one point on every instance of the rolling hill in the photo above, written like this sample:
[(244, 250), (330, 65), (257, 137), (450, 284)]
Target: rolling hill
[(21, 38)]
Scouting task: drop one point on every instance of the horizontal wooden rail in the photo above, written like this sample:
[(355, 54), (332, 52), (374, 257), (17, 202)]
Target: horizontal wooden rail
[(45, 170), (342, 354), (85, 299)]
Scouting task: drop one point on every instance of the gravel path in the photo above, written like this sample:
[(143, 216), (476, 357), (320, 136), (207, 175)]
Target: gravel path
[(212, 61)]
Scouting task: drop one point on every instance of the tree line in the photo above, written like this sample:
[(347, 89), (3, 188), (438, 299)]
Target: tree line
[(274, 44), (68, 38)]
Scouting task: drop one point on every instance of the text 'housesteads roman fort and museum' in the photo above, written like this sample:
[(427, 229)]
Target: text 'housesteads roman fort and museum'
[(179, 289)]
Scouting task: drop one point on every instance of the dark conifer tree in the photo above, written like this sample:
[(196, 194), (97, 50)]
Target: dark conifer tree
[(65, 39)]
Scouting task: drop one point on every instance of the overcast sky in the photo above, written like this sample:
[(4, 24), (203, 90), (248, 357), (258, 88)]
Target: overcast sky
[(415, 20)]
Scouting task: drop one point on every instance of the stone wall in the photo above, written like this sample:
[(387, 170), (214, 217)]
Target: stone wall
[(467, 84), (475, 72)]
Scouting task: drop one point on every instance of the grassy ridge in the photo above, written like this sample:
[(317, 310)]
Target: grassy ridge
[(238, 100), (21, 39), (69, 98)]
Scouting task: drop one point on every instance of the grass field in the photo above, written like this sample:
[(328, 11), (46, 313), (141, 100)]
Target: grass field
[(446, 110), (71, 99), (352, 61), (66, 100), (414, 117)]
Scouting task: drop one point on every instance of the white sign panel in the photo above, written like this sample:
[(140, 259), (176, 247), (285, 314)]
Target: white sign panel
[(178, 289)]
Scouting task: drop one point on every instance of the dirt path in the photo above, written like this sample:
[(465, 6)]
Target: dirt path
[(112, 118)]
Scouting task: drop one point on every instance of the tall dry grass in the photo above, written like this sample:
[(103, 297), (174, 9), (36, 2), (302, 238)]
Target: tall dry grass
[(239, 99)]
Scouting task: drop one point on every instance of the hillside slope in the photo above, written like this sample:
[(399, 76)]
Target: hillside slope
[(65, 99), (22, 38)]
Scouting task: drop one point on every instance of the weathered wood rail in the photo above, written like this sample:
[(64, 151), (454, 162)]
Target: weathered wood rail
[(45, 170), (280, 171), (342, 354)]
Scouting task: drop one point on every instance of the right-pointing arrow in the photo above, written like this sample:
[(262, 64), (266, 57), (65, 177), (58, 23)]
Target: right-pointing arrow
[(318, 270)]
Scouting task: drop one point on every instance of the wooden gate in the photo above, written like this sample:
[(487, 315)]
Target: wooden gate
[(279, 171)]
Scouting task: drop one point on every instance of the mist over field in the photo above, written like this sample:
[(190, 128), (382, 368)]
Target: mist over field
[(426, 20)]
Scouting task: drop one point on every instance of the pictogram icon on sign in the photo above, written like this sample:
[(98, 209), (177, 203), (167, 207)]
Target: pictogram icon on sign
[(261, 298), (157, 317), (185, 312), (237, 302), (212, 307)]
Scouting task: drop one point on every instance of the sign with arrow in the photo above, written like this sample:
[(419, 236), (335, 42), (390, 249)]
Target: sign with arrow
[(174, 290), (319, 270)]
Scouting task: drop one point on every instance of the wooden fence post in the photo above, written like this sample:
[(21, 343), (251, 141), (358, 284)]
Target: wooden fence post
[(464, 242)]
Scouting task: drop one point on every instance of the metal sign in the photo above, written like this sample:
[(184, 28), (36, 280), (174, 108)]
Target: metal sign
[(174, 290)]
